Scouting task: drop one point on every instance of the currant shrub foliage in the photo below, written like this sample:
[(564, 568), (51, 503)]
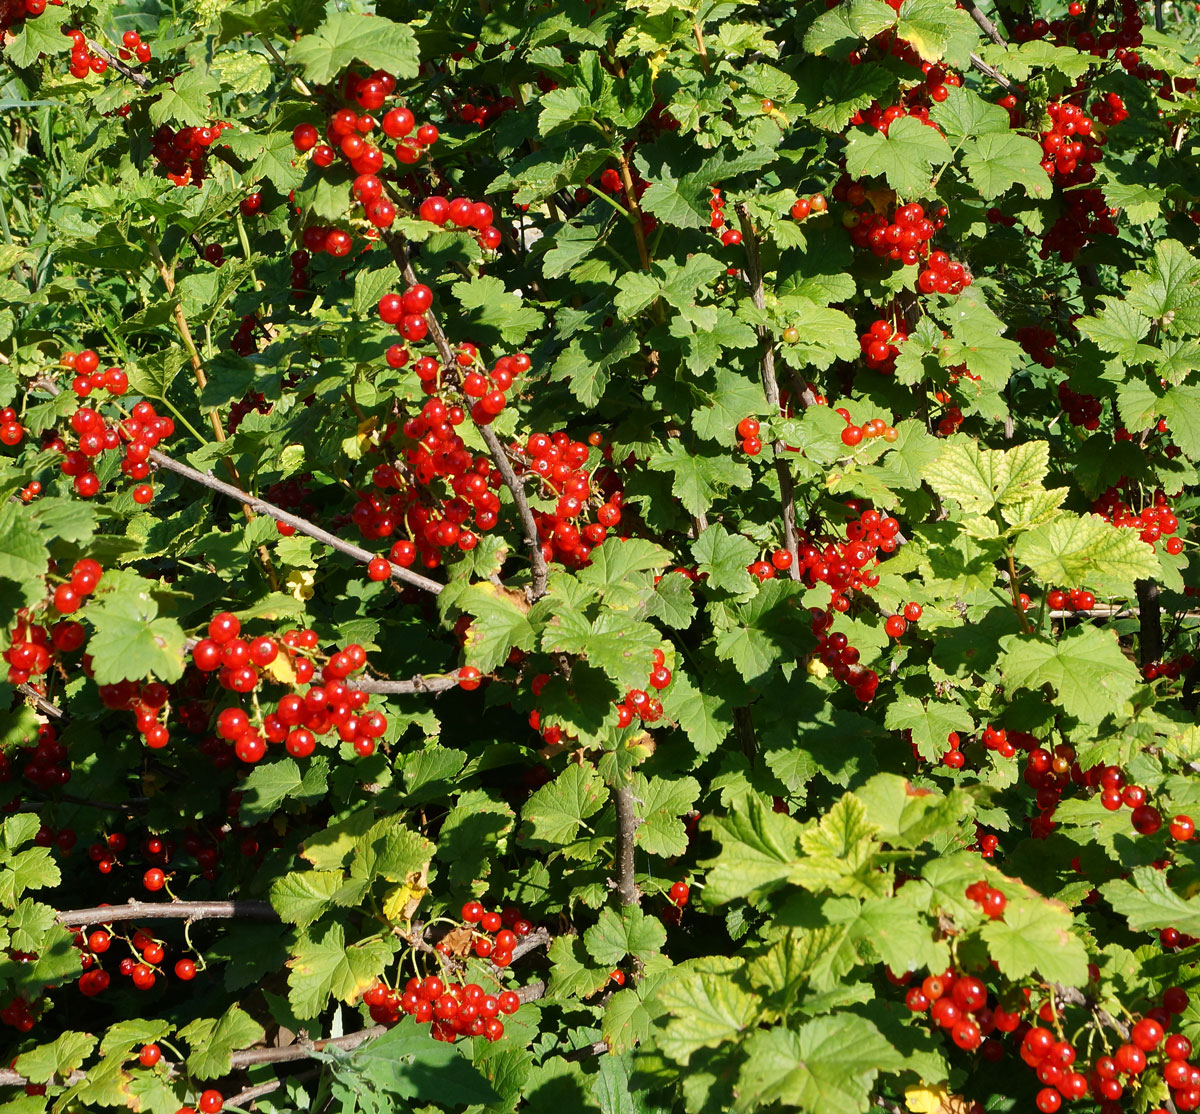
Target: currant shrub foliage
[(625, 556)]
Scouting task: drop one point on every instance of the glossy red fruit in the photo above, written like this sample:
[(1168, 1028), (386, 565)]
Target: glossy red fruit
[(679, 893)]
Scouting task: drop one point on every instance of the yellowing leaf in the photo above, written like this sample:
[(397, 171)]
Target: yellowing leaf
[(281, 670)]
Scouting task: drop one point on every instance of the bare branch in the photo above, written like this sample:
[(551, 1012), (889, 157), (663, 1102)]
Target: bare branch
[(627, 826), (139, 79), (175, 910), (985, 25), (387, 687), (301, 525)]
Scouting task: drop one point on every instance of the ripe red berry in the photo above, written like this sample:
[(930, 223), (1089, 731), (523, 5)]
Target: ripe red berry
[(379, 568), (154, 879), (185, 969), (851, 435), (211, 1102), (149, 1055), (679, 893), (1182, 827)]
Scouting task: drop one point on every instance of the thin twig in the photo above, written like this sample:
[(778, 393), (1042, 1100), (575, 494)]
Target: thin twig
[(985, 25), (388, 687), (40, 702), (787, 488), (1070, 996), (303, 526), (701, 47), (991, 71), (169, 910), (139, 79), (635, 210), (628, 823)]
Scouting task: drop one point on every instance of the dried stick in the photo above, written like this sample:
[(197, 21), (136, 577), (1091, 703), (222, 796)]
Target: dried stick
[(174, 910)]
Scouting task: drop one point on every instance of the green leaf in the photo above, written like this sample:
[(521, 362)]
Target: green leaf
[(271, 783), (964, 113), (370, 286), (1085, 667), (555, 813), (185, 99), (1000, 160), (1072, 552), (570, 975), (500, 623), (905, 156), (827, 1066), (630, 932), (23, 554), (621, 568), (840, 29), (588, 361), (759, 849), (60, 1058), (979, 479), (766, 631), (698, 477), (930, 723), (1118, 328), (35, 37), (130, 642), (408, 1063), (1149, 904), (323, 968), (28, 924), (1169, 289), (937, 29), (707, 1011), (907, 816), (31, 869), (494, 311), (302, 896), (724, 557), (626, 1021), (660, 802), (347, 37), (1035, 935), (734, 398), (621, 647), (1181, 407), (213, 1040)]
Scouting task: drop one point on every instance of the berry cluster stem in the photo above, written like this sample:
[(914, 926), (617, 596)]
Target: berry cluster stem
[(787, 489)]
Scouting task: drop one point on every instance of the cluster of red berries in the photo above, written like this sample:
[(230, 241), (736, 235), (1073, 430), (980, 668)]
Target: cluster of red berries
[(142, 966), (874, 427), (560, 462), (1172, 669), (943, 275), (298, 718), (32, 646), (84, 60), (140, 433), (1074, 599), (1154, 522), (89, 377), (903, 239), (1054, 1061), (748, 430), (1120, 40), (483, 114), (183, 154), (132, 48), (493, 934), (880, 346), (803, 207), (348, 133), (19, 1014), (1081, 410), (763, 569), (1037, 342), (1116, 793), (11, 430), (149, 703), (957, 1002), (716, 204), (464, 214), (451, 1010), (1069, 141), (46, 767), (881, 119), (16, 11)]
